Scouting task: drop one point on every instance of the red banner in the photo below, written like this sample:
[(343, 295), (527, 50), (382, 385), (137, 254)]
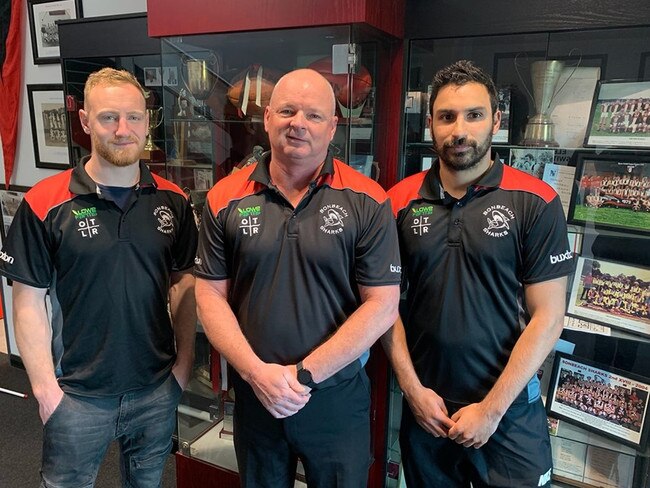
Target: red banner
[(10, 77)]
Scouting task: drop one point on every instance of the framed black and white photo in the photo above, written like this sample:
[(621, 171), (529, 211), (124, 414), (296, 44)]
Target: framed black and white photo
[(170, 75), (9, 202), (612, 192), (531, 160), (43, 16), (612, 294), (610, 402), (49, 126), (620, 115), (152, 76), (503, 98)]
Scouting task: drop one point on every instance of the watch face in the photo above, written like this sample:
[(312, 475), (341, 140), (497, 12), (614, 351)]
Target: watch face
[(304, 377)]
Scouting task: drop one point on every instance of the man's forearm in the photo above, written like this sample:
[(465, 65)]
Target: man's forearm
[(396, 348), (223, 330), (182, 305), (362, 329)]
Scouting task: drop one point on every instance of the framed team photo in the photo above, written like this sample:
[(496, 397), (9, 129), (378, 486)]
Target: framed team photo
[(503, 98), (610, 402), (620, 115), (49, 126), (612, 294), (43, 18), (612, 192)]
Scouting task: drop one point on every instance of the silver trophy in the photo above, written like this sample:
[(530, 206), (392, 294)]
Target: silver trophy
[(544, 76), (200, 79)]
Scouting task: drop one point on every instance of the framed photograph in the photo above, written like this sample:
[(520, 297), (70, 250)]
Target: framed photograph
[(620, 115), (612, 294), (9, 202), (599, 398), (531, 161), (503, 136), (612, 192), (152, 76), (170, 76), (43, 16), (49, 126)]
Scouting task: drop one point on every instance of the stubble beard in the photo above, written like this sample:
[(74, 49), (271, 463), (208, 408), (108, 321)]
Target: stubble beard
[(467, 160), (118, 157)]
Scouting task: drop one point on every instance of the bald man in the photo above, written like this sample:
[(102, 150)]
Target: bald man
[(298, 275)]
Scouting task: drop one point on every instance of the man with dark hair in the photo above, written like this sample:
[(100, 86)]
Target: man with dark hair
[(485, 256), (114, 245)]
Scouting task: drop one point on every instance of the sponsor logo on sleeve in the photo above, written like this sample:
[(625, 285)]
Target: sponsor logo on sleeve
[(395, 269), (198, 261), (6, 258), (545, 478), (250, 220), (558, 258)]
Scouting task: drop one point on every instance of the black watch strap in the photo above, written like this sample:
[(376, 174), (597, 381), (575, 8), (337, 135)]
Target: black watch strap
[(304, 376)]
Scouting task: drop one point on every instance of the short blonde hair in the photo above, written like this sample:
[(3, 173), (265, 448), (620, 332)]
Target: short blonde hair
[(111, 77)]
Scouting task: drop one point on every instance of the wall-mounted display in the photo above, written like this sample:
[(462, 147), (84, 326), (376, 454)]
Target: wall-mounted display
[(620, 115), (49, 126), (612, 294), (612, 192), (611, 402), (531, 161), (43, 16)]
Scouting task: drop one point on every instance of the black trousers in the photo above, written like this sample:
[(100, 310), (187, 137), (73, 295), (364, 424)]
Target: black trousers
[(518, 455), (331, 435)]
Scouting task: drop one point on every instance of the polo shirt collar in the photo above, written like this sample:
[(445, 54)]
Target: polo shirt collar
[(262, 175), (432, 189), (82, 184)]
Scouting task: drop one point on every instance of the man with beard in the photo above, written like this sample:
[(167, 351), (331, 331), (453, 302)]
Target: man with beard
[(485, 257), (113, 244)]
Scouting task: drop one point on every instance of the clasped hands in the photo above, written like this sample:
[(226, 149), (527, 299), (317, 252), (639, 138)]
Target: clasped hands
[(278, 389)]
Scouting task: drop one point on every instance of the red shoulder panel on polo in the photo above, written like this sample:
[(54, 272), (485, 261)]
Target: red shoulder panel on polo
[(346, 177), (233, 187), (49, 193), (406, 190), (163, 184), (516, 180)]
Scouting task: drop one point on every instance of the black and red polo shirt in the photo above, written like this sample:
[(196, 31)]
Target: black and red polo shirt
[(294, 272), (466, 263), (109, 270)]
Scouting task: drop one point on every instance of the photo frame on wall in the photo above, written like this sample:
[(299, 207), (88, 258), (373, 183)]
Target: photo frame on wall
[(620, 115), (599, 398), (43, 18), (503, 100), (612, 192), (612, 294), (49, 126)]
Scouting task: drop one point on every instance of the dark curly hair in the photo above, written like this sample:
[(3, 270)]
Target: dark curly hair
[(459, 73)]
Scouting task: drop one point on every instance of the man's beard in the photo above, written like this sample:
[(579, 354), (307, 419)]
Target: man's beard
[(467, 160), (118, 157)]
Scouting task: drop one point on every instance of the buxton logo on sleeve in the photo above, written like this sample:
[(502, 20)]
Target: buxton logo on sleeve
[(6, 258), (250, 220), (87, 224), (421, 220), (498, 220), (165, 219), (558, 258), (333, 216)]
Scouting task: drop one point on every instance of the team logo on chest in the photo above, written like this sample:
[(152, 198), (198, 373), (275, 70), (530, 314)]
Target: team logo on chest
[(165, 219), (333, 218), (499, 219), (87, 224), (421, 220), (250, 220)]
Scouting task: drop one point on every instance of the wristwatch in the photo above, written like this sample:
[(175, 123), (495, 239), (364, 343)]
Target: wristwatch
[(304, 376)]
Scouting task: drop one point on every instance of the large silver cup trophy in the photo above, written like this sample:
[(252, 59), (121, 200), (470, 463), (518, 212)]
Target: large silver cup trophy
[(539, 129), (200, 79)]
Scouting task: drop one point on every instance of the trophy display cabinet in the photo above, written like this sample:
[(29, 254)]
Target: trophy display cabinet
[(575, 102), (227, 57)]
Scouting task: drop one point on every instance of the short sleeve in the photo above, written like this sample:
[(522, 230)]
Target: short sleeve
[(184, 250), (377, 256), (27, 250), (547, 254), (211, 260)]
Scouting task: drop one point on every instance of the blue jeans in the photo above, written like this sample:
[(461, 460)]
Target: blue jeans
[(79, 431)]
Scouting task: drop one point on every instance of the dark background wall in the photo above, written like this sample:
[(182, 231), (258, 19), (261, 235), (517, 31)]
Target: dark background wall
[(454, 18)]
